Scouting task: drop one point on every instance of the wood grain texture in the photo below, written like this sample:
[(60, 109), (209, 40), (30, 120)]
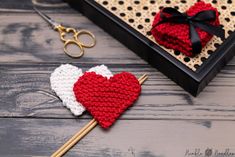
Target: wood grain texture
[(35, 41), (138, 138), (164, 122), (160, 98)]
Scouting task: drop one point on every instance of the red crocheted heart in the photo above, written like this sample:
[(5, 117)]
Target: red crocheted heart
[(176, 36), (106, 99)]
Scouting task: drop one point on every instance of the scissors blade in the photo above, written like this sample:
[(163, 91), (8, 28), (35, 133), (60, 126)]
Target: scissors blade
[(46, 18)]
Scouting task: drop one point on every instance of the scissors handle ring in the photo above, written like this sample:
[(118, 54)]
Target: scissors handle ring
[(75, 41), (69, 42), (88, 33)]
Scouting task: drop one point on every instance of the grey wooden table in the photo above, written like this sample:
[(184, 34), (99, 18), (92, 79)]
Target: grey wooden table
[(165, 122)]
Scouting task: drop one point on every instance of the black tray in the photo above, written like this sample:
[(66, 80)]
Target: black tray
[(192, 81)]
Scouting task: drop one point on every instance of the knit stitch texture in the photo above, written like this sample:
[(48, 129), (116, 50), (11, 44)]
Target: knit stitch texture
[(106, 99), (176, 36), (62, 81)]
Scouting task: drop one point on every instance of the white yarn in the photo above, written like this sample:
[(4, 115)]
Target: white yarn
[(101, 70), (62, 81)]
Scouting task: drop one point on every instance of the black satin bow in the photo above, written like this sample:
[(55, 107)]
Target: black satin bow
[(199, 20)]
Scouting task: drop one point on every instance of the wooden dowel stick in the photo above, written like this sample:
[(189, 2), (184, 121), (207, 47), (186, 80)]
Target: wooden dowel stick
[(141, 81), (142, 77), (73, 138), (71, 144), (86, 129)]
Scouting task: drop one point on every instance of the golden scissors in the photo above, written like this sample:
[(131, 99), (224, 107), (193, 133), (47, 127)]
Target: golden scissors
[(64, 30)]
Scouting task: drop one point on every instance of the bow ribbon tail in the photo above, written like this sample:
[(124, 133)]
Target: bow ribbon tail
[(173, 19), (195, 39), (211, 29)]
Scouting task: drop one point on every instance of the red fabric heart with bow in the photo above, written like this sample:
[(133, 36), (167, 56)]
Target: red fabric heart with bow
[(177, 36), (106, 99)]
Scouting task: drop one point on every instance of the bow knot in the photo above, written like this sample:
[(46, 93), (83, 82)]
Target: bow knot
[(200, 20), (188, 18)]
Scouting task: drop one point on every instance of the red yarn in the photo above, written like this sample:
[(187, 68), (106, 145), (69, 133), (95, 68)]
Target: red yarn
[(106, 99), (176, 36)]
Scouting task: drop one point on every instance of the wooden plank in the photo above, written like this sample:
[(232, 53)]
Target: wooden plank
[(27, 40), (131, 138), (25, 92), (35, 41), (25, 6)]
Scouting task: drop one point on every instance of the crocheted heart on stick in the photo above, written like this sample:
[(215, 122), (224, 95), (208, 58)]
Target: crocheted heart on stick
[(177, 35), (106, 99)]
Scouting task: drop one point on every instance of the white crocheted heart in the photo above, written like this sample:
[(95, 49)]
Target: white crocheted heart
[(62, 81)]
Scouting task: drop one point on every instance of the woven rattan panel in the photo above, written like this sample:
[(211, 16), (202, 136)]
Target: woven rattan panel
[(140, 13)]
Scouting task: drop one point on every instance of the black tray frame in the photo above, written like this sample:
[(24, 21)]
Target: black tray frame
[(192, 81)]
